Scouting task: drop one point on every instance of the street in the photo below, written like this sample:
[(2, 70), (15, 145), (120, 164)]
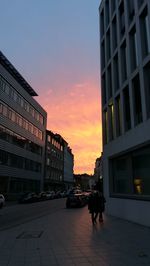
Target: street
[(46, 234), (13, 215)]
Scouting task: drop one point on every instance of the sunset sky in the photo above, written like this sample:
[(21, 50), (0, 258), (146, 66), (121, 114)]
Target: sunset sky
[(54, 44)]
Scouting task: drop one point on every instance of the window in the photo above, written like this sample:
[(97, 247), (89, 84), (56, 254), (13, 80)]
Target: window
[(1, 108), (2, 84), (121, 20), (141, 169), (4, 110), (130, 173), (118, 115), (126, 107), (109, 82), (144, 33), (140, 2), (105, 132), (121, 175), (133, 49), (102, 23), (147, 88), (123, 62), (137, 100), (3, 134), (107, 12), (3, 157), (103, 90), (131, 11), (103, 55), (113, 6), (114, 34), (108, 45), (111, 122), (116, 73)]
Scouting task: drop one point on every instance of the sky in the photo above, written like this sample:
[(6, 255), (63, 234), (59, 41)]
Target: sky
[(54, 44)]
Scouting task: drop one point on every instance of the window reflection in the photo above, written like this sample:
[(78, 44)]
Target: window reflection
[(13, 94), (19, 120), (20, 141)]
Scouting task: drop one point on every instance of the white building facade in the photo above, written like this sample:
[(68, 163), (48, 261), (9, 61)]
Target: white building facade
[(125, 87)]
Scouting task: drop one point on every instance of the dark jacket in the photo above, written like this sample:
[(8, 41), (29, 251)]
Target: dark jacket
[(96, 202)]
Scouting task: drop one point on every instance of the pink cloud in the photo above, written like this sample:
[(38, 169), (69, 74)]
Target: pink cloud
[(75, 114)]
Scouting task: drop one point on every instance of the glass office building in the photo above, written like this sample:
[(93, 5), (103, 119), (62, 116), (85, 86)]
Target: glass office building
[(22, 133)]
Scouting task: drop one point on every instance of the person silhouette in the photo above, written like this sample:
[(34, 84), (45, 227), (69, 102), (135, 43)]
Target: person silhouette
[(96, 206)]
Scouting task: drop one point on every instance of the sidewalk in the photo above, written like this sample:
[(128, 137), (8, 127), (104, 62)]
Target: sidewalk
[(68, 238)]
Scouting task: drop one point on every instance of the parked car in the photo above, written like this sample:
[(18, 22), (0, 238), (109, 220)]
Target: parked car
[(76, 198), (50, 195), (42, 196), (63, 194), (29, 198), (2, 200)]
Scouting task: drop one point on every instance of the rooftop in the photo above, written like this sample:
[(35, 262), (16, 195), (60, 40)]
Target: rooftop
[(12, 70)]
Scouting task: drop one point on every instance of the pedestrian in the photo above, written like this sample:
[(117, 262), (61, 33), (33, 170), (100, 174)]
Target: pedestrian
[(96, 206), (100, 206)]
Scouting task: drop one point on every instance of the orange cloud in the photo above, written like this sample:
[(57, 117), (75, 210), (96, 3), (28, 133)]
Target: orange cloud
[(75, 114)]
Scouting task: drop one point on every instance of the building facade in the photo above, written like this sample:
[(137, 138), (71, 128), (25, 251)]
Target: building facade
[(98, 168), (54, 162), (98, 174), (68, 166), (125, 87), (22, 133)]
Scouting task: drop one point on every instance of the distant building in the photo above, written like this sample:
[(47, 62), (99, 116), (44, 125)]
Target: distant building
[(59, 162), (125, 86), (68, 166), (54, 162), (83, 180), (22, 133), (98, 176), (98, 168)]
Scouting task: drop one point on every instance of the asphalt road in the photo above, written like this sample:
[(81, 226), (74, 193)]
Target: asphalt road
[(14, 215)]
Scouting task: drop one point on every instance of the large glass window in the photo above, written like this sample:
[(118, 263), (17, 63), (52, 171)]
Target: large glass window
[(130, 173), (141, 170), (121, 173)]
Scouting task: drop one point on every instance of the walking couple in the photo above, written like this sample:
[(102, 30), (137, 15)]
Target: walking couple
[(96, 206)]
